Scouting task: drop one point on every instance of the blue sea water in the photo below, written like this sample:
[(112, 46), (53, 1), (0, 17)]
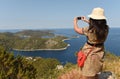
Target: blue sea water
[(112, 44)]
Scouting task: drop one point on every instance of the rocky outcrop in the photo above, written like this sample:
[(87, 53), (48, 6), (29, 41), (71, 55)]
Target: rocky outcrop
[(75, 74), (107, 75), (50, 43)]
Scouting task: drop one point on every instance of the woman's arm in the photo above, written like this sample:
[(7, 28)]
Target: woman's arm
[(76, 28)]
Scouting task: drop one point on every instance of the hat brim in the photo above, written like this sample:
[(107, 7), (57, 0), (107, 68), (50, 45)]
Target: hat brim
[(97, 17)]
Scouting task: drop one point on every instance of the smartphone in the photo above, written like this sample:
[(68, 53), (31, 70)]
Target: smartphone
[(79, 18)]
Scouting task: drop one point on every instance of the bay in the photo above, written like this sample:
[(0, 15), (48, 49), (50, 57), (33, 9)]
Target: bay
[(68, 55)]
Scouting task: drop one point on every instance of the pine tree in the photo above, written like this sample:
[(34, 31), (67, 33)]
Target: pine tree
[(15, 67)]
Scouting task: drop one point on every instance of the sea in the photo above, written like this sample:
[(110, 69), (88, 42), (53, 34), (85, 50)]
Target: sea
[(76, 41)]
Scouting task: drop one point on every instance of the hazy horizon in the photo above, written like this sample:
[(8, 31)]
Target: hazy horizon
[(47, 28), (43, 14)]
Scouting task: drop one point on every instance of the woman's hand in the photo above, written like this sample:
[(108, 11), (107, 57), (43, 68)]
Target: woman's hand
[(83, 18)]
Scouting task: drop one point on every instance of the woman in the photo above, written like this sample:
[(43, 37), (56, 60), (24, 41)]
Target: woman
[(96, 34)]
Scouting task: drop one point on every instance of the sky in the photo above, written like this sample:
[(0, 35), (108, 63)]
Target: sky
[(49, 14)]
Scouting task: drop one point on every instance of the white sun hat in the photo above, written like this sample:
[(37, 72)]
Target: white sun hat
[(97, 13)]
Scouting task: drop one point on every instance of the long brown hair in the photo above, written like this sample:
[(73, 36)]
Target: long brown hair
[(99, 27)]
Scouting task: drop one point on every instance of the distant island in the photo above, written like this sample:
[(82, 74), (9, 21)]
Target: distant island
[(33, 40)]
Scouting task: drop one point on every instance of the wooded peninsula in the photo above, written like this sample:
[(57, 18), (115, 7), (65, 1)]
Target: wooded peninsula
[(32, 40)]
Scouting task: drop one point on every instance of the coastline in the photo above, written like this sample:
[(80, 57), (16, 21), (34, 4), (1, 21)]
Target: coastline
[(60, 49)]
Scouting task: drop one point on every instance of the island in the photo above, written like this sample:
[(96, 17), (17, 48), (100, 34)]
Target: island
[(33, 40)]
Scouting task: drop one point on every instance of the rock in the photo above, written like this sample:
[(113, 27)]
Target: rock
[(59, 67), (107, 75)]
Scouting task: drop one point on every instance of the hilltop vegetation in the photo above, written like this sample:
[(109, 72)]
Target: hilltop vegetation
[(46, 68), (19, 67), (15, 67), (30, 40)]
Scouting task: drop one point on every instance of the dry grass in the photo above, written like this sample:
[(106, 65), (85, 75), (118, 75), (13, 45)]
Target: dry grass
[(112, 65)]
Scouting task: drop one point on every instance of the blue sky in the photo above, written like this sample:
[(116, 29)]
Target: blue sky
[(42, 14)]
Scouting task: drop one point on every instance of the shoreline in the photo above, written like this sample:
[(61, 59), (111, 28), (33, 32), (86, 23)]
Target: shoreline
[(60, 49)]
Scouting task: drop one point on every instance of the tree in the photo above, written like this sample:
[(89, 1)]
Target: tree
[(15, 67), (46, 68)]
